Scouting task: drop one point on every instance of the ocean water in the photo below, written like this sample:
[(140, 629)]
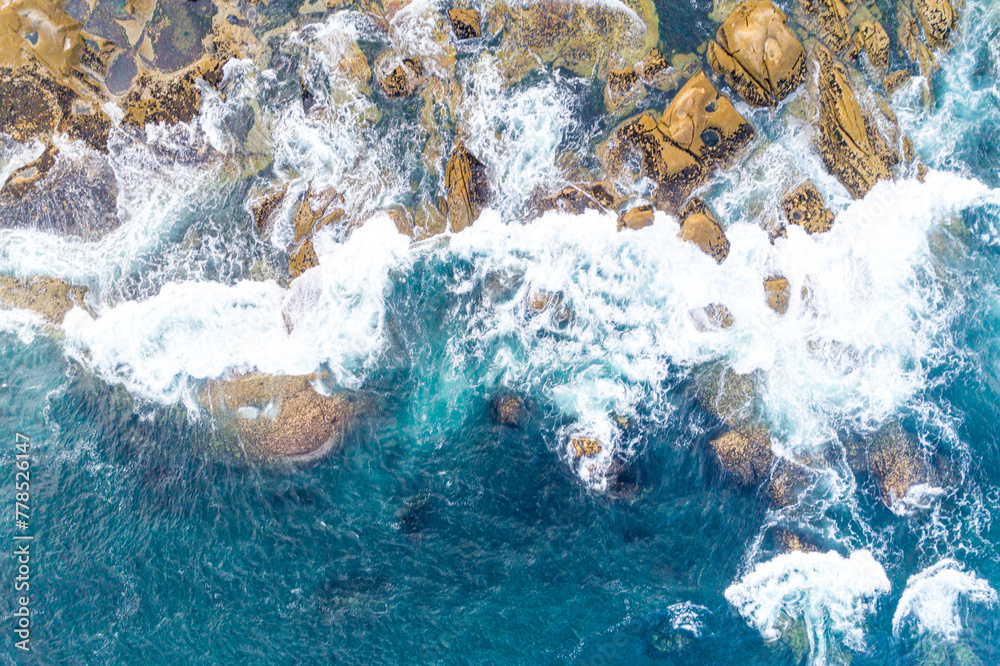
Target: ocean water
[(437, 536)]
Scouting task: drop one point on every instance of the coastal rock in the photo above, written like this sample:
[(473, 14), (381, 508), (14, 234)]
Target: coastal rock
[(778, 292), (302, 259), (468, 188), (893, 82), (508, 410), (897, 464), (623, 91), (938, 18), (585, 447), (401, 80), (744, 453), (757, 54), (727, 395), (276, 417), (49, 297), (552, 302), (698, 132), (851, 146), (873, 40), (465, 23), (700, 227), (713, 316), (825, 20), (788, 481), (584, 38), (263, 208), (576, 199), (173, 98), (804, 207), (636, 218)]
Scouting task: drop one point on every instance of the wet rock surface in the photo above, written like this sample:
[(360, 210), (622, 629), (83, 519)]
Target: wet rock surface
[(468, 188), (803, 206), (700, 226), (49, 297), (744, 453)]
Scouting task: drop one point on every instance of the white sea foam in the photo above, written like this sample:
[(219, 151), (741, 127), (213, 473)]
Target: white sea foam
[(195, 330), (933, 599), (829, 594)]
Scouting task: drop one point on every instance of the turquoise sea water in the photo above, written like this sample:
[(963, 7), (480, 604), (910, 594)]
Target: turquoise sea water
[(438, 536)]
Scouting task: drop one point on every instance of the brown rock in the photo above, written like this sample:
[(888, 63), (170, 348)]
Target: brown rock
[(275, 417), (778, 292), (804, 206), (873, 40), (727, 395), (508, 410), (896, 463), (47, 296), (302, 259), (699, 132), (575, 199), (468, 188), (465, 23), (826, 20), (586, 447), (656, 72), (623, 91), (757, 53), (938, 18), (173, 98), (404, 79), (553, 302), (700, 227), (264, 208), (788, 481), (896, 79), (713, 316), (636, 218), (744, 453), (851, 146)]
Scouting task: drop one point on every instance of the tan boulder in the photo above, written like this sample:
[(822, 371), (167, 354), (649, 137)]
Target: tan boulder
[(623, 91), (170, 98), (302, 259), (744, 453), (264, 206), (586, 447), (700, 227), (277, 417), (49, 297), (804, 207), (873, 40), (778, 292), (938, 18), (465, 23), (757, 53), (825, 20), (851, 146), (697, 133), (636, 218), (401, 80), (468, 187)]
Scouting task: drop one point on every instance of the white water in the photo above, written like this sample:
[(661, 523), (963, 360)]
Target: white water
[(829, 594), (934, 598)]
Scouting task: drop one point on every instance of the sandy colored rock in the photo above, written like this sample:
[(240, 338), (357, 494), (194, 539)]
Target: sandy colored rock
[(698, 132), (851, 146), (49, 297), (403, 79), (636, 218), (277, 417), (938, 18), (778, 291), (576, 199), (264, 208), (788, 481), (727, 395), (699, 226), (713, 316), (757, 54), (623, 91), (744, 453), (896, 79), (468, 188), (173, 98), (585, 38), (826, 20), (804, 207), (873, 40), (585, 447), (896, 463), (302, 259), (465, 23)]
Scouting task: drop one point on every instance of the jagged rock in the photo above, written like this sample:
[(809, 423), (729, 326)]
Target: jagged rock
[(826, 20), (938, 18), (174, 98), (586, 447), (656, 72), (623, 91), (302, 259), (264, 208), (700, 227), (277, 417), (896, 463), (851, 146), (636, 218), (873, 40), (758, 55), (896, 79), (49, 297), (804, 206), (465, 23), (788, 481), (575, 199), (778, 292), (508, 410), (744, 453), (713, 316), (585, 38), (468, 188), (403, 80), (699, 132)]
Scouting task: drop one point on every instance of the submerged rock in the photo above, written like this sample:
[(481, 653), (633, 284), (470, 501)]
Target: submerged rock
[(757, 53), (468, 188), (585, 38), (576, 199), (264, 207), (277, 417), (401, 80), (553, 302), (788, 481), (778, 293), (852, 148), (699, 132), (508, 409), (744, 453), (50, 297), (712, 316), (897, 464), (700, 227), (804, 207), (727, 395)]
